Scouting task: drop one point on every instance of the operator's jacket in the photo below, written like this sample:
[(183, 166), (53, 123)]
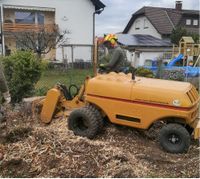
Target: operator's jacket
[(3, 84), (117, 61)]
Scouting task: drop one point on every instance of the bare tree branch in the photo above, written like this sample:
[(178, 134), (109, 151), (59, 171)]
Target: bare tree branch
[(41, 40)]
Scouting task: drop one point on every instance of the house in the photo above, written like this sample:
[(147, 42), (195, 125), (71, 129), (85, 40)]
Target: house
[(159, 22), (143, 49), (76, 16), (154, 25)]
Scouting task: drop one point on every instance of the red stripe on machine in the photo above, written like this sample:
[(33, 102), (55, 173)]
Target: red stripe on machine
[(142, 103)]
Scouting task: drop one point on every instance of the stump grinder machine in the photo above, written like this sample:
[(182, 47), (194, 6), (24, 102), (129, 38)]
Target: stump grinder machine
[(129, 101)]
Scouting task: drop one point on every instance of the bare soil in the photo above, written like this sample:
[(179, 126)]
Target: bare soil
[(32, 149)]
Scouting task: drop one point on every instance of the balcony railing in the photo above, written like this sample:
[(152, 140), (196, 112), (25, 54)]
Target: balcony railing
[(15, 27)]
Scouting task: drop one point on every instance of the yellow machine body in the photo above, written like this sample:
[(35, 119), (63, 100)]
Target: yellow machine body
[(136, 103), (49, 105), (141, 102), (56, 105)]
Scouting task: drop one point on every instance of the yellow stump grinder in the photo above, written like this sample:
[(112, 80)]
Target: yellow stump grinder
[(129, 101)]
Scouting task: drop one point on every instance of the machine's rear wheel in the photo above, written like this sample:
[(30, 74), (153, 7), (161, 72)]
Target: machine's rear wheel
[(174, 138), (83, 122)]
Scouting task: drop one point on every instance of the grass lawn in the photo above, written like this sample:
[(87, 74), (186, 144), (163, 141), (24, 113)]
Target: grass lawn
[(51, 77)]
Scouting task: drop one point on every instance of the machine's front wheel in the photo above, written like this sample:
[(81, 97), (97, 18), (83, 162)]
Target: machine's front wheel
[(174, 138), (98, 115), (83, 122)]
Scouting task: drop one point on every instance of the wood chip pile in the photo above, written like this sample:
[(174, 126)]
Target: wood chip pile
[(32, 149)]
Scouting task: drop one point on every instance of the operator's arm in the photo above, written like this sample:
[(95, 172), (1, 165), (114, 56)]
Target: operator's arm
[(115, 58)]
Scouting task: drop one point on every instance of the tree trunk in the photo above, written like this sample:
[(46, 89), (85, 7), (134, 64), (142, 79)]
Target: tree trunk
[(39, 55)]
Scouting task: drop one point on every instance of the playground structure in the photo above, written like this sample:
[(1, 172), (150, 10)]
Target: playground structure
[(187, 47)]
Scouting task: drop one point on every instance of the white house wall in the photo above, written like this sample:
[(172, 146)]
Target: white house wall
[(142, 30), (139, 60), (148, 56), (73, 15)]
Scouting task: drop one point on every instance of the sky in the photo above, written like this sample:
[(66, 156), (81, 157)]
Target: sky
[(117, 13)]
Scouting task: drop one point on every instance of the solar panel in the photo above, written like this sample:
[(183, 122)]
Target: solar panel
[(142, 40)]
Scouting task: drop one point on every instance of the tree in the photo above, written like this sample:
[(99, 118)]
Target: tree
[(41, 40), (177, 34), (195, 37)]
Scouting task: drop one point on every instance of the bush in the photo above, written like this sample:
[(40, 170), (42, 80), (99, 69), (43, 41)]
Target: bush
[(177, 75), (22, 70), (143, 72)]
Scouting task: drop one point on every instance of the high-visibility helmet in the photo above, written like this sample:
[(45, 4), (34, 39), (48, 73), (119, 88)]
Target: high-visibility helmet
[(112, 38)]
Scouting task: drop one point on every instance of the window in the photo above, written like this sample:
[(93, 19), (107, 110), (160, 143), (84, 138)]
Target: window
[(188, 21), (25, 17), (195, 22), (145, 24), (137, 25), (40, 18)]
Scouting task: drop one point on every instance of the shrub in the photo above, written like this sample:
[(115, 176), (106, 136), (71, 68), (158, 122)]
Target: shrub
[(22, 70), (176, 74), (143, 72)]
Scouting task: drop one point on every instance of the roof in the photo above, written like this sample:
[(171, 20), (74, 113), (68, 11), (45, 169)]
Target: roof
[(163, 19), (98, 4), (142, 41), (187, 39), (31, 8)]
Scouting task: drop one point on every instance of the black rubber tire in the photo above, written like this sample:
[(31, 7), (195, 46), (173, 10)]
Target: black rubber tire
[(83, 122), (174, 138), (98, 116)]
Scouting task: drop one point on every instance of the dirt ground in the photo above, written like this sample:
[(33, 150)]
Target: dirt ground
[(32, 149)]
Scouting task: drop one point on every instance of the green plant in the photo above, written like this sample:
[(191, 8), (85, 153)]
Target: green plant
[(22, 70), (177, 34), (177, 75), (143, 72)]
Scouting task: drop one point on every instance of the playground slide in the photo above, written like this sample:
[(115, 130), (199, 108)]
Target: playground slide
[(173, 62)]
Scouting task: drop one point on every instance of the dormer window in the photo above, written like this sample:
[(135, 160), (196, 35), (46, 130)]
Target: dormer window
[(195, 22), (137, 25), (188, 22)]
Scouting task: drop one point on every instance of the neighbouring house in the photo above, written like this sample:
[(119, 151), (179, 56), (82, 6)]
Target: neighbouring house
[(76, 16), (159, 22), (143, 49), (153, 27)]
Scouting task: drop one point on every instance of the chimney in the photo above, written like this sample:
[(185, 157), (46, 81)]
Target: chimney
[(178, 5)]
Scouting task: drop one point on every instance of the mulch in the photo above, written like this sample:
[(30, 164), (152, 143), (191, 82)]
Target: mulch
[(33, 149)]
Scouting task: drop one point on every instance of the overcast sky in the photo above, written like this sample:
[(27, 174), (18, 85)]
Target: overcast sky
[(118, 12)]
